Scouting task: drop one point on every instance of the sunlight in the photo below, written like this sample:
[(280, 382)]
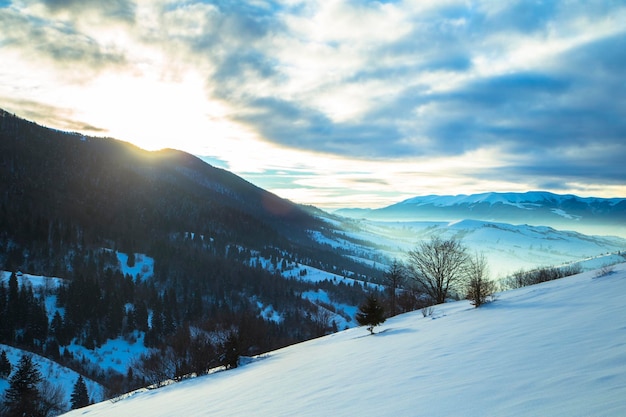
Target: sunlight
[(156, 114)]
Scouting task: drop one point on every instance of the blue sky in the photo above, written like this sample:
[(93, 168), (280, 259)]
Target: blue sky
[(338, 103)]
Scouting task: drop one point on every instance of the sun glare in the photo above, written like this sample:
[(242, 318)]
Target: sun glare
[(154, 113)]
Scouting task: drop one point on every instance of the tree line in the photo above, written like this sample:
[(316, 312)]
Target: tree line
[(439, 269), (195, 312)]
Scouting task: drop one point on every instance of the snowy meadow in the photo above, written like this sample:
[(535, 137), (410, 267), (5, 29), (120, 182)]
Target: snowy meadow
[(553, 349)]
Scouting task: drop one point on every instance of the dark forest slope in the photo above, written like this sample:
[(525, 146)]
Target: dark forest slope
[(105, 189)]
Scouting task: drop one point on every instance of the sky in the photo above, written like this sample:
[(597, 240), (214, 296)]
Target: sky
[(338, 103)]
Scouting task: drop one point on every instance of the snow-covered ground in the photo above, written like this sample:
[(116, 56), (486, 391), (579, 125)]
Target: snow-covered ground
[(35, 281), (508, 248), (142, 269), (52, 372), (554, 349), (116, 354), (343, 314)]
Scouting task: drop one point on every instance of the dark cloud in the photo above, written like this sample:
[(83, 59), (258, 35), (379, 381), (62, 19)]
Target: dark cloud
[(60, 42), (562, 168), (231, 35), (296, 126), (560, 120), (376, 181), (123, 10), (541, 115), (230, 27), (48, 115)]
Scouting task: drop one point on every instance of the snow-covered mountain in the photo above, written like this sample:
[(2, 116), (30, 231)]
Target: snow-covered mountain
[(508, 247), (554, 349), (527, 200), (563, 211)]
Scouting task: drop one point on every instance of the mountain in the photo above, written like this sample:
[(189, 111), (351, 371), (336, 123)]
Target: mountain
[(587, 215), (160, 251), (114, 190), (553, 349), (508, 248), (184, 264), (101, 192)]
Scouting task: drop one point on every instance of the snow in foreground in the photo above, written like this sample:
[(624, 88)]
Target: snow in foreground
[(555, 349)]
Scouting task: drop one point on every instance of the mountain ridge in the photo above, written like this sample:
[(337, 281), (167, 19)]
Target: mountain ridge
[(82, 179), (536, 196), (71, 204), (593, 215)]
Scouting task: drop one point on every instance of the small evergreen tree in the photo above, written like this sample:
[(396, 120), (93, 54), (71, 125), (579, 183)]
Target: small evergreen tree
[(370, 314), (22, 398), (130, 261), (80, 396), (230, 357), (5, 365)]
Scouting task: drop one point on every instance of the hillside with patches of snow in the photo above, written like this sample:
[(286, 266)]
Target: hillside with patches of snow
[(507, 247), (553, 349), (53, 373)]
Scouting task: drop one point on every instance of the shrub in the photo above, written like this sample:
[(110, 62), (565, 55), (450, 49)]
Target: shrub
[(428, 311), (370, 314)]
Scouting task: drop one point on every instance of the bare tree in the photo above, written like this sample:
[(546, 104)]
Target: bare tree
[(157, 367), (394, 277), (479, 286), (323, 318), (52, 401), (438, 267)]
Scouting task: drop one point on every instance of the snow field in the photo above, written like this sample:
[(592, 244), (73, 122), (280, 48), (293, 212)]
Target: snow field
[(142, 269), (53, 373), (554, 349)]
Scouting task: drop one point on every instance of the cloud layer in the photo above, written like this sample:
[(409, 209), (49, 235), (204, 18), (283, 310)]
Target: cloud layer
[(527, 94)]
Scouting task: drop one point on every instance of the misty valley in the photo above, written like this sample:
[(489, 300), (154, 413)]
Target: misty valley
[(123, 269)]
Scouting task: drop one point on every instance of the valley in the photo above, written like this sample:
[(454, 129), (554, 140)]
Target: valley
[(136, 268)]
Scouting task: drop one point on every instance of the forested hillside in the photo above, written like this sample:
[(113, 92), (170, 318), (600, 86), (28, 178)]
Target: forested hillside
[(70, 205)]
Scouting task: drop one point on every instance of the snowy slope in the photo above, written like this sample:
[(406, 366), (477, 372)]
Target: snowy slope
[(508, 247), (52, 372), (555, 349)]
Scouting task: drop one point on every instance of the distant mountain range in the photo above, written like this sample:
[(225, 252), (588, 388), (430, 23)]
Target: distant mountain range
[(587, 215)]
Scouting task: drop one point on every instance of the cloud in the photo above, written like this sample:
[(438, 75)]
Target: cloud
[(52, 115), (538, 84), (123, 10), (395, 80), (60, 42)]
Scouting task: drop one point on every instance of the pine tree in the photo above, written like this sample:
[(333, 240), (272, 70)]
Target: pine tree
[(370, 314), (22, 398), (80, 396), (5, 365), (230, 356)]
